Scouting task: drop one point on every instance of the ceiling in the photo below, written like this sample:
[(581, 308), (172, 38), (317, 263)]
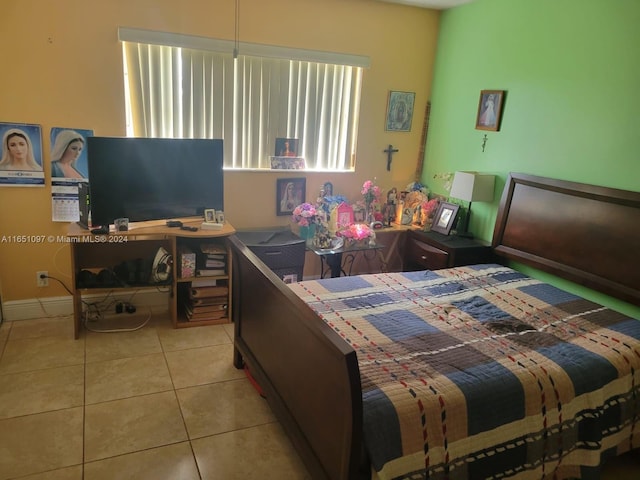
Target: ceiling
[(437, 4)]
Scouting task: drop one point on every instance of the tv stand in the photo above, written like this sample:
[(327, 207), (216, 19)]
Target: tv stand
[(91, 253)]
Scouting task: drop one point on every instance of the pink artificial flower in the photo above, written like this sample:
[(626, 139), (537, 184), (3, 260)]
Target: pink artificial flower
[(357, 231), (370, 192), (430, 207), (304, 214)]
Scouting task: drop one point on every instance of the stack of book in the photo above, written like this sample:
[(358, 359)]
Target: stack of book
[(206, 301), (212, 260)]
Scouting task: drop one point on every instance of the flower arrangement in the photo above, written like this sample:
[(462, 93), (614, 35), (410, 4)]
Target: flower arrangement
[(329, 202), (429, 207), (417, 187), (371, 192), (304, 214), (356, 231)]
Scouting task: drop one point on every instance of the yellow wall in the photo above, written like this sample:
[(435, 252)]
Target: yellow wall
[(62, 67)]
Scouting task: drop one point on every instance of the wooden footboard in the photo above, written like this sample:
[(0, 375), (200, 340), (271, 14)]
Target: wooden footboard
[(309, 375)]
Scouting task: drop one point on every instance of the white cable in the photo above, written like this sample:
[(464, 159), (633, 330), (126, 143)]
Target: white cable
[(117, 330)]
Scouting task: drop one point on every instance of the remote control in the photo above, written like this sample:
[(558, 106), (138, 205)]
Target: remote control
[(174, 223), (190, 229)]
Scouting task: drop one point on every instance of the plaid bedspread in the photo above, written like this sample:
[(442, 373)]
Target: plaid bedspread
[(481, 372)]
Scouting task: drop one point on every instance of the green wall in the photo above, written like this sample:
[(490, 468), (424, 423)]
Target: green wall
[(571, 69)]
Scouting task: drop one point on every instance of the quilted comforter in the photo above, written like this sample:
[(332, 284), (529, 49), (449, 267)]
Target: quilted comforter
[(482, 372)]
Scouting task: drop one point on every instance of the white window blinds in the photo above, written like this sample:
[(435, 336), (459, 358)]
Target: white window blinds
[(248, 101)]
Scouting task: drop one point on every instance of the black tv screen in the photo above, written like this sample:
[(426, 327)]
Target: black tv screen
[(153, 178)]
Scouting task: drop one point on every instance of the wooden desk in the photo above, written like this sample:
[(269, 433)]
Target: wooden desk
[(94, 253)]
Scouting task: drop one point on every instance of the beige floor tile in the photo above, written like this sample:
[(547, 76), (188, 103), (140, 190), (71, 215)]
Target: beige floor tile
[(69, 473), (173, 462), (133, 424), (43, 327), (24, 355), (5, 328), (266, 454), (41, 390), (127, 377), (229, 329), (204, 365), (111, 346), (41, 442), (184, 338), (221, 407)]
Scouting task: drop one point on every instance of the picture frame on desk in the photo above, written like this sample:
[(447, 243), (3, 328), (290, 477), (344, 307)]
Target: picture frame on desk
[(445, 217), (210, 215)]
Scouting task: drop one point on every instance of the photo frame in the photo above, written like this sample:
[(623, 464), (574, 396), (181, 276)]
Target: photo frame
[(210, 215), (399, 111), (445, 217), (286, 147), (290, 192), (490, 110)]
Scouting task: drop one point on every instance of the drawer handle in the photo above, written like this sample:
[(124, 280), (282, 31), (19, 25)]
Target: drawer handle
[(273, 253)]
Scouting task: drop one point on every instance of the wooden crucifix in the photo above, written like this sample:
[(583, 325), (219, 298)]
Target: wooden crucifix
[(390, 151)]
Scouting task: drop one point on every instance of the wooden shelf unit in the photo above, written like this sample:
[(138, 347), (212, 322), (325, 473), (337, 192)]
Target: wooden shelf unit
[(142, 240)]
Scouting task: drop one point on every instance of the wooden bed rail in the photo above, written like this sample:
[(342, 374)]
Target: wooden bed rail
[(309, 375)]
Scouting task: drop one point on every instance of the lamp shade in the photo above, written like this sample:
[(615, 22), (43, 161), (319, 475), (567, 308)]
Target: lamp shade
[(473, 186)]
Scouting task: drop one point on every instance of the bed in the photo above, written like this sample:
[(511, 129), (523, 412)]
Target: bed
[(470, 372)]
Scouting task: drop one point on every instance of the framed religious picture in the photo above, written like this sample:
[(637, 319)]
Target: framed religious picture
[(445, 217), (290, 192), (400, 111), (210, 215), (490, 110)]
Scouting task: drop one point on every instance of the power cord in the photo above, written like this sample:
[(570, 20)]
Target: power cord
[(113, 304), (99, 306), (43, 276), (49, 315), (114, 330)]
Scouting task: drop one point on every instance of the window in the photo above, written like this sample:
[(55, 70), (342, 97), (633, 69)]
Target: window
[(265, 93)]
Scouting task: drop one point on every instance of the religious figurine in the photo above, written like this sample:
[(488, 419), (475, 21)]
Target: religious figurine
[(390, 209)]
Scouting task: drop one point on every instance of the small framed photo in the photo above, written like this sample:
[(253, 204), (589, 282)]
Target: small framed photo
[(400, 111), (290, 192), (210, 215), (445, 217), (490, 110), (286, 147)]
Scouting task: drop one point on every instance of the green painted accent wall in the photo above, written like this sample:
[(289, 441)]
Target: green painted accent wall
[(571, 69)]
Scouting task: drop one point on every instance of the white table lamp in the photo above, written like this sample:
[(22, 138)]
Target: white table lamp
[(472, 187)]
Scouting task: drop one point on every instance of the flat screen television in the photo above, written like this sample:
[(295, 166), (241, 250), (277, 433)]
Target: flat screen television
[(153, 178)]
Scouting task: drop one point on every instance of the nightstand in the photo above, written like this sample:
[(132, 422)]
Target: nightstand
[(432, 250)]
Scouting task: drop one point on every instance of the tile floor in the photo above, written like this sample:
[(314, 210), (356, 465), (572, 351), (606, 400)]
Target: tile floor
[(156, 403)]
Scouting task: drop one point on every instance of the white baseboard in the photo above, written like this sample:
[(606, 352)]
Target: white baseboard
[(53, 306)]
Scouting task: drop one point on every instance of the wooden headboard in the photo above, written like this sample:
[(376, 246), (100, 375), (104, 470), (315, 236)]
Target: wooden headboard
[(584, 233)]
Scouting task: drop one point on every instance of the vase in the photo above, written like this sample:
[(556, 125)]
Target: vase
[(368, 219), (308, 232)]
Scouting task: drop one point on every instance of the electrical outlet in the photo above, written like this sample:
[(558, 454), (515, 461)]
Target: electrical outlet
[(42, 278)]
